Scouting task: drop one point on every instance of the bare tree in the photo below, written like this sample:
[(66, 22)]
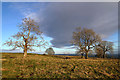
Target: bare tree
[(99, 52), (85, 39), (29, 36), (103, 47)]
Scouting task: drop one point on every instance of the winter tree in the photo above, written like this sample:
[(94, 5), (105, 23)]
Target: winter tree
[(28, 37), (103, 47), (85, 39)]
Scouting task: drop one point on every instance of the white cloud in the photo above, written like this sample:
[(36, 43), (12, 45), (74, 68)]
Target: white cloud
[(33, 16)]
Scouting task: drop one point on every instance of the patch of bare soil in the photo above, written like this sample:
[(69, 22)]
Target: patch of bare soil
[(1, 69), (2, 59)]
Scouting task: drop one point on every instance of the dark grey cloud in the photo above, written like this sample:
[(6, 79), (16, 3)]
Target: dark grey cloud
[(59, 19)]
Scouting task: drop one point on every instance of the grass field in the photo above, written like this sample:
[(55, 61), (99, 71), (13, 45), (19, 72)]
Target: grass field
[(45, 66)]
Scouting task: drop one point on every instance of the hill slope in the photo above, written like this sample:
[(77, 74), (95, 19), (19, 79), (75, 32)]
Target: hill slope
[(44, 66)]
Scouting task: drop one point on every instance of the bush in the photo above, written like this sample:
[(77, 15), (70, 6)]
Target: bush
[(50, 51)]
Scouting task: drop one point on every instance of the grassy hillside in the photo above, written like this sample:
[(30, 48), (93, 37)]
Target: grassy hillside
[(44, 66)]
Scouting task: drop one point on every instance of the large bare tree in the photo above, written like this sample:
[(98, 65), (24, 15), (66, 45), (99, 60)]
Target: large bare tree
[(85, 39), (103, 47), (28, 37)]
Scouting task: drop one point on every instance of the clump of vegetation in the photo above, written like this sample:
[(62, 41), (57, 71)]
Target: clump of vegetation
[(50, 51), (47, 66)]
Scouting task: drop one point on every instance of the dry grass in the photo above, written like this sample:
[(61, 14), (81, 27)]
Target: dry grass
[(44, 66)]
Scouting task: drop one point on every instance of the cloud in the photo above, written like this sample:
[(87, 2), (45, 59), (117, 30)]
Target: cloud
[(59, 20), (33, 16), (9, 50)]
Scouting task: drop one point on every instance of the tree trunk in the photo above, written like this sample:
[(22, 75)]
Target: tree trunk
[(25, 50), (104, 54), (104, 50), (86, 55), (82, 55)]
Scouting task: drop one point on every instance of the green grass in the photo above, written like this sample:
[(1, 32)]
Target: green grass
[(44, 66)]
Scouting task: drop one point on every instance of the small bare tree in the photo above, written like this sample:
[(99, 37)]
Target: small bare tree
[(103, 47), (27, 37), (85, 39)]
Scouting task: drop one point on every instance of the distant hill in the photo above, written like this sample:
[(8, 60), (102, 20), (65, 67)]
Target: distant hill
[(115, 55), (93, 55)]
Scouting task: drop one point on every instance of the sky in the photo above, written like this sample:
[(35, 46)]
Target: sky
[(58, 20)]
